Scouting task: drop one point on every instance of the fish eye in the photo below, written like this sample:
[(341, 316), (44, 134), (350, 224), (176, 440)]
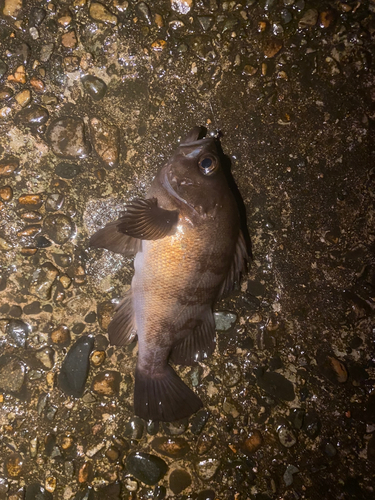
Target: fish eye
[(207, 165)]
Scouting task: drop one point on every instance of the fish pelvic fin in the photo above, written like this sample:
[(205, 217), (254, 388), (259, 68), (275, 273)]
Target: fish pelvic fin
[(163, 397), (143, 219), (197, 346), (110, 238), (122, 330), (238, 267)]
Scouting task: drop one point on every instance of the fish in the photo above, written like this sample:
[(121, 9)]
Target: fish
[(189, 251)]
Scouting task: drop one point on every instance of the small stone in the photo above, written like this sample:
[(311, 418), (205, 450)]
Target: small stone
[(6, 193), (98, 358), (252, 443), (46, 52), (13, 465), (176, 428), (58, 227), (272, 47), (171, 447), (23, 98), (3, 68), (65, 20), (276, 385), (339, 369), (121, 5), (37, 84), (30, 199), (105, 312), (249, 70), (37, 16), (134, 428), (31, 230), (224, 320), (286, 437), (205, 443), (19, 75), (12, 374), (198, 421), (46, 356), (179, 480), (94, 86), (32, 308), (112, 453), (181, 6), (36, 491), (330, 450), (67, 138), (207, 468), (100, 13), (71, 63), (144, 11), (33, 116), (106, 383), (326, 18), (8, 165), (18, 330), (6, 93), (309, 19), (311, 424), (5, 246), (146, 467), (206, 22), (288, 474), (12, 8), (42, 280), (61, 336), (85, 472), (67, 170), (54, 202), (296, 416), (231, 374), (75, 367), (50, 485), (69, 40), (286, 16), (106, 141)]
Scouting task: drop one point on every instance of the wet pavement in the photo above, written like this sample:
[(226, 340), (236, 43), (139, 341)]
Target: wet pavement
[(94, 97)]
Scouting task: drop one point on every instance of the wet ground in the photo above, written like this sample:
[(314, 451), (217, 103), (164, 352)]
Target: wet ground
[(94, 97)]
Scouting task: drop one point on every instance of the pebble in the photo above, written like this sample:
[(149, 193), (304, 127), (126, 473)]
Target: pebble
[(54, 202), (12, 8), (171, 447), (37, 16), (6, 193), (224, 320), (176, 428), (231, 374), (42, 281), (288, 474), (5, 245), (3, 68), (100, 13), (144, 12), (58, 227), (309, 18), (311, 424), (67, 137), (18, 330), (106, 141), (46, 356), (106, 383), (46, 52), (326, 18), (181, 6), (205, 443), (94, 86), (23, 98), (179, 480), (252, 443), (69, 40), (198, 421), (30, 199), (330, 450), (98, 358), (105, 312), (85, 472), (286, 436), (276, 385), (296, 417), (272, 47), (67, 170), (8, 166), (207, 468), (12, 374), (61, 336), (75, 367), (333, 369), (6, 93), (36, 491), (13, 465), (146, 467), (33, 116), (134, 428)]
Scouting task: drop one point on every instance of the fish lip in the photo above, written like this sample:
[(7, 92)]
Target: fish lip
[(167, 184), (197, 143)]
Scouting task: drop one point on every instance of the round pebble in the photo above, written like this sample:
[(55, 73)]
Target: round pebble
[(13, 465), (207, 468), (286, 437), (100, 13), (252, 443), (46, 356), (18, 330), (67, 170), (179, 480), (134, 428), (231, 374), (58, 227), (176, 428), (106, 383), (146, 467), (32, 116), (67, 137), (94, 86), (43, 279), (171, 447), (61, 336), (106, 141)]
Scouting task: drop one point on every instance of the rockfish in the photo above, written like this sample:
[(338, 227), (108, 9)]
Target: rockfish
[(190, 250)]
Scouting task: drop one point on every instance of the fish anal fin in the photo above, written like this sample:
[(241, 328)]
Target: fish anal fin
[(110, 238), (163, 397), (143, 219), (238, 266), (197, 346), (122, 330)]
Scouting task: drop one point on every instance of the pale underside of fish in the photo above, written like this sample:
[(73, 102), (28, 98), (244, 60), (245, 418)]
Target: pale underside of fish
[(189, 251)]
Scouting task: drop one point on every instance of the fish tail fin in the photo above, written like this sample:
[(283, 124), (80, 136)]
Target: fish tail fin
[(164, 397)]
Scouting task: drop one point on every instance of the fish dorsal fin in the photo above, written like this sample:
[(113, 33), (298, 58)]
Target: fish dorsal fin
[(110, 238), (197, 346), (143, 219), (237, 268), (121, 330)]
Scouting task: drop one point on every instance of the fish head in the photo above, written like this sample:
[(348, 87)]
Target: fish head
[(195, 174)]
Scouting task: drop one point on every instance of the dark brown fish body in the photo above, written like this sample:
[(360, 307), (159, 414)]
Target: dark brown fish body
[(179, 275)]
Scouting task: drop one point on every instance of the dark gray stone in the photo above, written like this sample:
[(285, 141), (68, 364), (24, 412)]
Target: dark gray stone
[(94, 86), (75, 367), (146, 467)]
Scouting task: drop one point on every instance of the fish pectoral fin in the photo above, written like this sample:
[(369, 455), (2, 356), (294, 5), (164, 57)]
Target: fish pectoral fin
[(163, 397), (110, 238), (197, 346), (238, 267), (122, 330), (143, 219)]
